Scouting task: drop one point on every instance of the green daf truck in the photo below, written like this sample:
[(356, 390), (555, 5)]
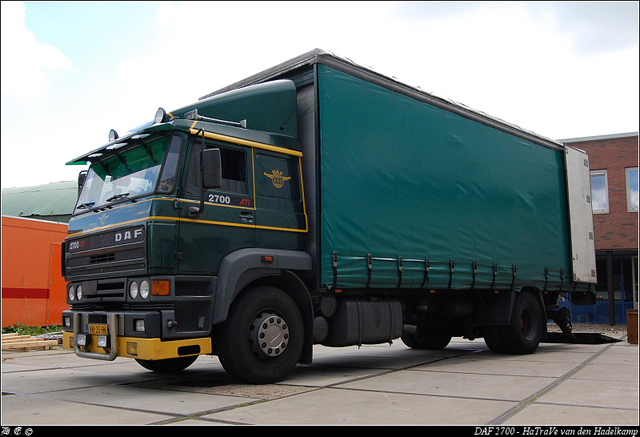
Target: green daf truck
[(319, 202)]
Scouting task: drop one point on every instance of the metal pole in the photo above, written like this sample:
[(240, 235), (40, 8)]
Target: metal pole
[(611, 294)]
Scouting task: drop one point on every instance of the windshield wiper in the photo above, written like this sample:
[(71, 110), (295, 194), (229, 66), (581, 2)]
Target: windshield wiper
[(85, 205), (116, 197)]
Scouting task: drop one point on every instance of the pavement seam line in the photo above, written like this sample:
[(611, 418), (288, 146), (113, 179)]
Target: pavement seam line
[(526, 402)]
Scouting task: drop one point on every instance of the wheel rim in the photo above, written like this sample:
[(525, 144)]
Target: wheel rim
[(268, 335), (527, 324)]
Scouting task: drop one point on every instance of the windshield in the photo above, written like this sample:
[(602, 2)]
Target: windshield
[(131, 173)]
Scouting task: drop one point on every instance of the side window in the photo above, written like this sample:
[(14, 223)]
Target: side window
[(234, 170), (167, 181), (192, 183), (599, 192)]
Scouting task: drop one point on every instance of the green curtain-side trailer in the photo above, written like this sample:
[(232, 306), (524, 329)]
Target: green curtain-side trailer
[(405, 190)]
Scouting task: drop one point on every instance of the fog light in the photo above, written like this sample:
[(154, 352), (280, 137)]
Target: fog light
[(132, 348), (67, 322), (81, 339), (139, 325), (102, 341)]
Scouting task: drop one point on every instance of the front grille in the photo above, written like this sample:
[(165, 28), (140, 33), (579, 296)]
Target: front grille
[(104, 256)]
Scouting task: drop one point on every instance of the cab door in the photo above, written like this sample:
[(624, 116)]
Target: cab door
[(227, 222)]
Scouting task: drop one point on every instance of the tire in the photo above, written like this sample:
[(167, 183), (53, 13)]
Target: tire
[(523, 334), (410, 340), (172, 365), (493, 339), (430, 340), (261, 340)]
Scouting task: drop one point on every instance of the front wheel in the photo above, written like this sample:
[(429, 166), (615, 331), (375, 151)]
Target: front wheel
[(261, 340), (171, 365), (428, 339)]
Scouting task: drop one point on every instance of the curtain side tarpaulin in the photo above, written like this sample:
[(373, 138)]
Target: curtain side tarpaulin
[(413, 195)]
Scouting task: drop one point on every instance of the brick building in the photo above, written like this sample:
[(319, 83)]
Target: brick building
[(614, 188)]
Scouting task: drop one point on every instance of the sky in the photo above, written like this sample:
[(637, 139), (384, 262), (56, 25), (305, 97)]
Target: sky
[(71, 71)]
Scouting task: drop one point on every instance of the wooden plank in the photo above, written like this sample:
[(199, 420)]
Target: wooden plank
[(13, 336), (29, 343), (17, 339)]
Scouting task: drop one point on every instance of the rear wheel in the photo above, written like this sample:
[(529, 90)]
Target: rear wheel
[(523, 334), (261, 341)]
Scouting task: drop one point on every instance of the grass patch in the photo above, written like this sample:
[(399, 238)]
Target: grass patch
[(21, 329)]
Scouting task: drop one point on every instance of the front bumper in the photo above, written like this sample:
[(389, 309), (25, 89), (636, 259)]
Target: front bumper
[(102, 341)]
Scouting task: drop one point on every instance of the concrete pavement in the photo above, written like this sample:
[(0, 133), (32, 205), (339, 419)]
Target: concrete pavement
[(464, 384)]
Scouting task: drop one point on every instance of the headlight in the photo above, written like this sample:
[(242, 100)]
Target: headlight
[(133, 290), (144, 289), (79, 292), (72, 293)]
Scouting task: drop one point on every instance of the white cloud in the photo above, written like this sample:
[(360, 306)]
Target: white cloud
[(26, 62)]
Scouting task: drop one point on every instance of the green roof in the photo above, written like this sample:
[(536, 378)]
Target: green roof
[(50, 200)]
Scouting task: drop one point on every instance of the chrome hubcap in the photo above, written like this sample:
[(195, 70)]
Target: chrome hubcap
[(268, 335)]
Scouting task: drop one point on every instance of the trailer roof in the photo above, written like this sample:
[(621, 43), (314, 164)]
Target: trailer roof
[(318, 56)]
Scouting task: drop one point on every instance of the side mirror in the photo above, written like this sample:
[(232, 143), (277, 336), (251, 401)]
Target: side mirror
[(82, 176), (211, 168), (211, 172)]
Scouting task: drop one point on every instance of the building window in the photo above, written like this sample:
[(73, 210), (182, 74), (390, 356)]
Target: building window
[(632, 189), (600, 192)]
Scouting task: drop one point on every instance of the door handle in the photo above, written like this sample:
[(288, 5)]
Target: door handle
[(246, 217)]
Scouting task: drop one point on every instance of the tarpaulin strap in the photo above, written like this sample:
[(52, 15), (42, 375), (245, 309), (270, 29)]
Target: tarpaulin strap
[(546, 278), (474, 269), (452, 264), (513, 279), (334, 262), (427, 266), (561, 278), (369, 268), (495, 273), (400, 270)]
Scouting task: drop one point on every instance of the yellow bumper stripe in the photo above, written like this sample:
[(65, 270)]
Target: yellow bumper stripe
[(149, 348)]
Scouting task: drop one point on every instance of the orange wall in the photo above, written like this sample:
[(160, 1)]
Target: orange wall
[(33, 289)]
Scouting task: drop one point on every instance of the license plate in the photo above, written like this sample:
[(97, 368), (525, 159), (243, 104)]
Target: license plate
[(98, 329)]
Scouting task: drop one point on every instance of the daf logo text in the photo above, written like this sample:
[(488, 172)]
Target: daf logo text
[(128, 235)]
